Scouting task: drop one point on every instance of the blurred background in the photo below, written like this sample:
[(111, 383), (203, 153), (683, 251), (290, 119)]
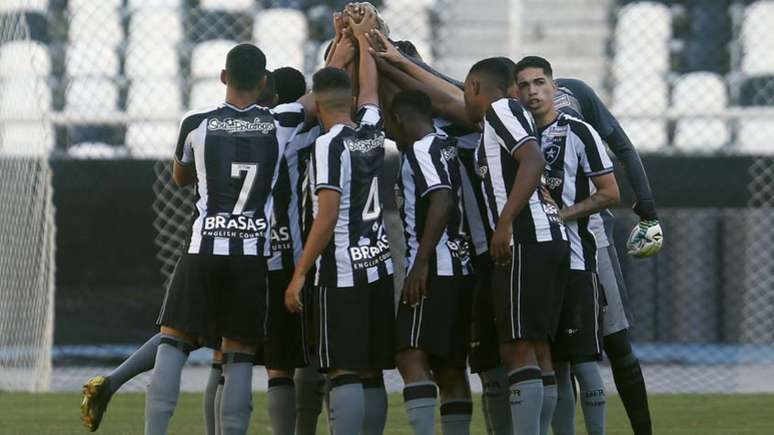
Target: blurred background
[(91, 93)]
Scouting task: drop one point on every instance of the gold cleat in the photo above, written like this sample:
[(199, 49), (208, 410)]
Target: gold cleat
[(96, 395)]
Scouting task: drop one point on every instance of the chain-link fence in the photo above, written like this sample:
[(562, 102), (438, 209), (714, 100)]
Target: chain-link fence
[(110, 79)]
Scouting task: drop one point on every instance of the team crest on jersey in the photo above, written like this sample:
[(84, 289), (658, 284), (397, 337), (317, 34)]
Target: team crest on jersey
[(552, 151), (460, 249), (448, 153), (231, 125), (364, 145)]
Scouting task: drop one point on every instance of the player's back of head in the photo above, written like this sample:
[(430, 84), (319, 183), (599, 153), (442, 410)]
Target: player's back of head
[(268, 95), (413, 104), (290, 84), (492, 73), (534, 62), (332, 89), (245, 66)]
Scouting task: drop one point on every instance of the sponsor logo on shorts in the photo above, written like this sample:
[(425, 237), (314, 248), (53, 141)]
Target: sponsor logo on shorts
[(234, 227), (231, 125)]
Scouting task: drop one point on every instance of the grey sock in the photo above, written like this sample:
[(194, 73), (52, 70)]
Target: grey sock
[(375, 400), (592, 396), (347, 405), (139, 362), (164, 388), (281, 399), (420, 399), (526, 399), (549, 402), (497, 407), (209, 398), (217, 405), (237, 398), (310, 389), (456, 416), (563, 422)]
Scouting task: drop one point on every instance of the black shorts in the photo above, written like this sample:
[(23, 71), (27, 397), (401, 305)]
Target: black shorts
[(216, 296), (283, 345), (484, 345), (440, 323), (355, 326), (580, 334), (528, 291)]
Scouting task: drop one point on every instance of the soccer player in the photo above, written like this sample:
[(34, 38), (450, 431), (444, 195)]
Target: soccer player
[(529, 244), (217, 296), (349, 244), (434, 316), (578, 99), (580, 178)]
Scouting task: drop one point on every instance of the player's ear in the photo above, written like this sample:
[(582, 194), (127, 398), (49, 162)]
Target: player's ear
[(224, 77), (476, 85)]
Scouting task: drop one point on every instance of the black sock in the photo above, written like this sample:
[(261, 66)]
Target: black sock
[(629, 381)]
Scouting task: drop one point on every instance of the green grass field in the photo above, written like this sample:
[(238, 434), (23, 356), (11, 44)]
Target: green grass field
[(43, 414)]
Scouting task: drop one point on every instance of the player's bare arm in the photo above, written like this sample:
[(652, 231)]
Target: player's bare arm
[(448, 100), (183, 175), (367, 72), (531, 165), (606, 196), (319, 236), (415, 287), (338, 26)]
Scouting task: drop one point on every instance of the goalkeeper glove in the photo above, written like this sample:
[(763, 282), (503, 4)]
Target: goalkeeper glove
[(645, 239)]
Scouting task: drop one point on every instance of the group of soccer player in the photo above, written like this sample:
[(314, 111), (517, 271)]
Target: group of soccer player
[(503, 188)]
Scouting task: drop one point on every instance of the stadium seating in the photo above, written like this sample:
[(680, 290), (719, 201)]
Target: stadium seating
[(91, 97), (155, 5), (754, 132), (96, 151), (151, 139), (24, 59), (25, 98), (205, 25), (707, 46), (95, 21), (145, 60), (209, 58), (80, 60), (26, 138), (227, 5), (207, 93), (24, 5), (642, 40), (757, 91), (155, 99), (705, 94), (758, 39), (281, 34), (145, 24)]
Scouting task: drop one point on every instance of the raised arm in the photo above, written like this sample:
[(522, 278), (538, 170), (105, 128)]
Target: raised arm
[(368, 77)]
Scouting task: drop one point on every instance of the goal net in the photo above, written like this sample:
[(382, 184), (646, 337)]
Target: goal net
[(26, 216)]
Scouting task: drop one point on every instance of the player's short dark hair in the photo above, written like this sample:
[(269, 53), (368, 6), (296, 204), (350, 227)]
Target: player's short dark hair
[(290, 84), (496, 71), (331, 79), (268, 92), (534, 62), (414, 101), (511, 67), (246, 66)]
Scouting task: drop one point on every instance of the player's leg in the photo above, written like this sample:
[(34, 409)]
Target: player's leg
[(627, 372), (164, 388), (456, 401), (281, 398), (310, 391), (530, 291), (485, 353), (98, 390), (550, 393), (563, 421), (210, 391), (381, 355), (243, 310), (420, 394)]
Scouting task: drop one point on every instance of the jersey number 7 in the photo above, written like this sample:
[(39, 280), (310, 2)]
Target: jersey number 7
[(247, 186)]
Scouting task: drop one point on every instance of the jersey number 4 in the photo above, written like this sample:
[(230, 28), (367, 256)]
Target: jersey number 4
[(247, 186), (373, 206)]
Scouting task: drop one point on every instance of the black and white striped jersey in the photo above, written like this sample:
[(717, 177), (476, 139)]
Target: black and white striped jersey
[(508, 126), (350, 160), (475, 210), (287, 220), (574, 154), (236, 153), (431, 164)]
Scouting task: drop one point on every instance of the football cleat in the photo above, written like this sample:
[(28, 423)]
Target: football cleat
[(96, 395)]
